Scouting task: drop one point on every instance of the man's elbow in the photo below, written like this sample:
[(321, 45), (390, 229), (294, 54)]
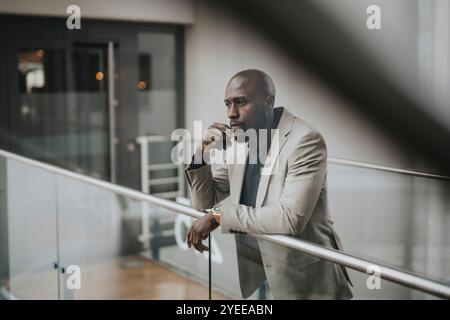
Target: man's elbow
[(293, 222), (201, 203), (197, 206)]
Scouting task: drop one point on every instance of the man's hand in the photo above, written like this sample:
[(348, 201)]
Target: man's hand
[(215, 137), (200, 230)]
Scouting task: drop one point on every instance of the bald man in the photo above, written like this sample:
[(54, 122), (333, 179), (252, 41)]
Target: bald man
[(291, 200)]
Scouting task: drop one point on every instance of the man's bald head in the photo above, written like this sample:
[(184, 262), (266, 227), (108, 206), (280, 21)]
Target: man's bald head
[(254, 80), (250, 97)]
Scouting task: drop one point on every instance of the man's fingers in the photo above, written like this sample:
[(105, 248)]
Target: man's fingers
[(189, 238), (188, 242), (201, 247), (220, 126), (211, 137), (215, 137), (197, 238)]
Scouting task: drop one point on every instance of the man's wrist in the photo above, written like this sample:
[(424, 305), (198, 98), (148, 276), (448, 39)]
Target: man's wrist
[(197, 162), (213, 220), (216, 217), (217, 213)]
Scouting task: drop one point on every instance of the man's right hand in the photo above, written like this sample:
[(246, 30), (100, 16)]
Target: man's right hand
[(215, 137)]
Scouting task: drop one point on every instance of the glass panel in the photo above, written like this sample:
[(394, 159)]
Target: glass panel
[(100, 232), (225, 275), (63, 107), (28, 233), (396, 219), (168, 245), (95, 236), (291, 275), (393, 219)]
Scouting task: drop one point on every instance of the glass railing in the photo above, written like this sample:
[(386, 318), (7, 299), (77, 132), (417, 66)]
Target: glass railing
[(68, 236), (399, 218), (63, 237)]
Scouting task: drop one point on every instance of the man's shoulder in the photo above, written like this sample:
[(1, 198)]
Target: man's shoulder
[(305, 140), (303, 130)]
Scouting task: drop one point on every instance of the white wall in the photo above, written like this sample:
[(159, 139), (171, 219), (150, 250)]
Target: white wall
[(412, 46), (218, 46), (170, 11), (394, 46)]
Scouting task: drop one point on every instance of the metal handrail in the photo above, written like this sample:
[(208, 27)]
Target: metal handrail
[(362, 265), (352, 163)]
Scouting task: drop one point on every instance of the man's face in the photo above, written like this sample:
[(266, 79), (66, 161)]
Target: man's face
[(245, 104)]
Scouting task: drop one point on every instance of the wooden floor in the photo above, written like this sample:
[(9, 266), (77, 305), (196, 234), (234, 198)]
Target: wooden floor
[(140, 278)]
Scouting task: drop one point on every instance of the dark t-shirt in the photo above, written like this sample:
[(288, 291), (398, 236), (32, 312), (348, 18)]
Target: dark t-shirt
[(253, 171)]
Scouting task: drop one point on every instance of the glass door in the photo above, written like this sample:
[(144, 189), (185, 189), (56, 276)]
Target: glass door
[(63, 112)]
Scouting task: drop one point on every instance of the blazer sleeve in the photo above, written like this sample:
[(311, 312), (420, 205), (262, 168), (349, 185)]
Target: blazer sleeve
[(303, 183), (209, 185)]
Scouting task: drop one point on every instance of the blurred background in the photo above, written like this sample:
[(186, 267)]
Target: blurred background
[(102, 101)]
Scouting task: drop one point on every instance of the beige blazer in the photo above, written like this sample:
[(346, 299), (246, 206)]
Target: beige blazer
[(291, 200)]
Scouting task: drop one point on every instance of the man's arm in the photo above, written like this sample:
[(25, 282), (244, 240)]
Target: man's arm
[(208, 186), (303, 184)]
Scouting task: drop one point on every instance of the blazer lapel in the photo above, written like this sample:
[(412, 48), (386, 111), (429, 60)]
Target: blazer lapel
[(284, 127)]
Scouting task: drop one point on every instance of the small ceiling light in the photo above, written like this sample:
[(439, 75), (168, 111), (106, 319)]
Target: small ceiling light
[(40, 53), (99, 76), (142, 85)]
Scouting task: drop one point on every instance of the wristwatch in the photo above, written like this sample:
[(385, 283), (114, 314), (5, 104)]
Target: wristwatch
[(217, 212)]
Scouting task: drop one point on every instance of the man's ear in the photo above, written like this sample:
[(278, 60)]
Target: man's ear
[(270, 101)]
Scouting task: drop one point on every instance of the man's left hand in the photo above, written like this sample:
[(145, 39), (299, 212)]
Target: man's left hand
[(200, 230)]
